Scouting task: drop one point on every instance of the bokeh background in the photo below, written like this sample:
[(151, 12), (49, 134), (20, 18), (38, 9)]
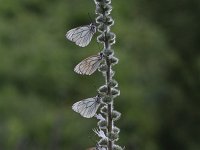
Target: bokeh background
[(158, 46)]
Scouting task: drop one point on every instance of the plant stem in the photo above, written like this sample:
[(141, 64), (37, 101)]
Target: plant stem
[(109, 106), (109, 90)]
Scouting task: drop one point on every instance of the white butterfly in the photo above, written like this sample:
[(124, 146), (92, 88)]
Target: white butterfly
[(81, 35), (87, 107), (89, 65)]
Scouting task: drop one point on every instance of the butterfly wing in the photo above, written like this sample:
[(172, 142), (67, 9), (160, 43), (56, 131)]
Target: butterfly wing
[(89, 65), (81, 35), (87, 107)]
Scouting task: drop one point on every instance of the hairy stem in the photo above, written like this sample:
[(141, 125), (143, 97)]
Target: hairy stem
[(109, 106), (109, 90)]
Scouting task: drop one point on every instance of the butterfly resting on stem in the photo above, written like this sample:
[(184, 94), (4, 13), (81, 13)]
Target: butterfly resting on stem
[(87, 107), (89, 65), (82, 35)]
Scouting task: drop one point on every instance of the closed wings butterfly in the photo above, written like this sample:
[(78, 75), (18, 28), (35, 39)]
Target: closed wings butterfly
[(87, 107), (81, 36), (89, 65)]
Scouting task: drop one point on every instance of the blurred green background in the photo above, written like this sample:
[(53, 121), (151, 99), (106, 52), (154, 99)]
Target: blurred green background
[(159, 74)]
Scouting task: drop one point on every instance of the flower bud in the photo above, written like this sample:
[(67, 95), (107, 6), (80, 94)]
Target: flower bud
[(116, 115), (110, 36), (116, 130), (112, 41), (104, 9), (109, 21), (107, 9), (102, 124), (113, 83), (100, 19), (102, 28), (103, 89), (113, 136), (104, 110), (100, 38), (108, 52), (115, 92), (107, 99), (103, 1), (103, 68), (114, 60), (103, 142)]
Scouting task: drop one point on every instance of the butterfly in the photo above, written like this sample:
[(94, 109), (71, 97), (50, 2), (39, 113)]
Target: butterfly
[(81, 36), (87, 107), (89, 65)]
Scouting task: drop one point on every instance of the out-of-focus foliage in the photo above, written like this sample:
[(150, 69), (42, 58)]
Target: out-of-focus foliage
[(158, 72)]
